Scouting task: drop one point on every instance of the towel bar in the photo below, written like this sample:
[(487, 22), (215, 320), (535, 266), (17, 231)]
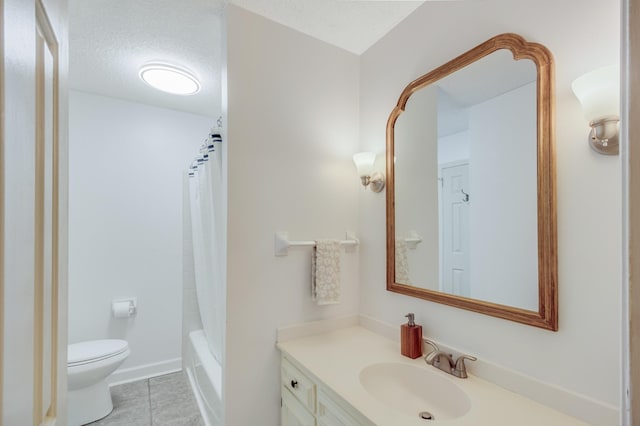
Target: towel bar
[(282, 243)]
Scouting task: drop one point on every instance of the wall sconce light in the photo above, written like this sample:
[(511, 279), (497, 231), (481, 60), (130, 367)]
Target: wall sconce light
[(364, 165), (599, 93)]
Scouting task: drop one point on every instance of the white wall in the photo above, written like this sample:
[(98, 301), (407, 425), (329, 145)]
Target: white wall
[(126, 173), (453, 148), (583, 356), (503, 186), (292, 130)]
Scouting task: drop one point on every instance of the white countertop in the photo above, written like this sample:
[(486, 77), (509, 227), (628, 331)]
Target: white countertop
[(336, 358)]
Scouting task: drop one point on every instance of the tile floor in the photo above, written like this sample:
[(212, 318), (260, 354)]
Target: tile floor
[(160, 401)]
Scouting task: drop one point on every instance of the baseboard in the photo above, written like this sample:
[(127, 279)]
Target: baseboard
[(568, 402), (132, 374)]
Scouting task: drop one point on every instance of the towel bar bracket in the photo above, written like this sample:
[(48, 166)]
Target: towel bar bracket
[(413, 240)]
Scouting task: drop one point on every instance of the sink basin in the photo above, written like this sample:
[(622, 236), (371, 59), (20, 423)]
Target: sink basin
[(414, 390)]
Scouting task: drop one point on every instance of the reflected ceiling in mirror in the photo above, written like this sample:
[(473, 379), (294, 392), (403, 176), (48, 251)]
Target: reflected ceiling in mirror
[(471, 200)]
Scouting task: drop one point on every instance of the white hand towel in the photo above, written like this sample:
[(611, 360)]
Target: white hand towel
[(402, 262), (325, 272)]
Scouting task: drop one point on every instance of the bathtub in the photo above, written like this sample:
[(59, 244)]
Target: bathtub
[(205, 376)]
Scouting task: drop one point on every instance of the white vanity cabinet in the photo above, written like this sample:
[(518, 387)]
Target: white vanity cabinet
[(323, 384), (298, 396), (306, 402), (293, 413), (331, 414)]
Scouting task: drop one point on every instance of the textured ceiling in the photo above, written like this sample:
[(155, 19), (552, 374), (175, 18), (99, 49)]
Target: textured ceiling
[(111, 39)]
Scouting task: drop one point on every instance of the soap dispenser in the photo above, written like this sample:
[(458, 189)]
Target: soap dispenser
[(411, 338)]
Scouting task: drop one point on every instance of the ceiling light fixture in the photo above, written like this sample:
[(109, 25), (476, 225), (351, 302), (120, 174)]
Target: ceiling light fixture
[(170, 79)]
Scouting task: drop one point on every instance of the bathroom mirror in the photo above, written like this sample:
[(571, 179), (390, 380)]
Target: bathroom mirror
[(471, 205)]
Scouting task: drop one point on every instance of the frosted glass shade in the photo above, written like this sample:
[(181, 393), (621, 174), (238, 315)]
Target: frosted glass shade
[(364, 163), (599, 92), (169, 79)]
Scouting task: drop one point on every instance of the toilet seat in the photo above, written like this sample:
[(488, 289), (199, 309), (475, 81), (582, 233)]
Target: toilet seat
[(94, 350)]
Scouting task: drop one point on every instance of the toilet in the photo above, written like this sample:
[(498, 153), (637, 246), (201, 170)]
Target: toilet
[(88, 366)]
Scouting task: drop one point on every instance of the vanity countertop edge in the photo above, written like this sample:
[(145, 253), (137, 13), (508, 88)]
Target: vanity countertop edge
[(335, 358)]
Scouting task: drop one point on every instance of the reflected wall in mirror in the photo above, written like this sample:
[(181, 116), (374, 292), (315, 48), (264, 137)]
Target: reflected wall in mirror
[(481, 123), (471, 196)]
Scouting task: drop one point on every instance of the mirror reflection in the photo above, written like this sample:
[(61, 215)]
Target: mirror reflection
[(471, 197), (466, 184)]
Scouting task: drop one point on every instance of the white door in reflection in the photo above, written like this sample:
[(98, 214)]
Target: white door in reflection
[(455, 199)]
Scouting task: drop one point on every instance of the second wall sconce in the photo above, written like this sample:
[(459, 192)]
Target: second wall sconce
[(364, 162), (599, 93)]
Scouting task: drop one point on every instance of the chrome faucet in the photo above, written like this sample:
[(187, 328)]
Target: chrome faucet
[(444, 361), (460, 369)]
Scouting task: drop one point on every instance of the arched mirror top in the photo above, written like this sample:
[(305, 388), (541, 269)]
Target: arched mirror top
[(516, 44)]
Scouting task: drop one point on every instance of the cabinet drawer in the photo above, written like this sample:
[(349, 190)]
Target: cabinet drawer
[(331, 414), (299, 385), (293, 413)]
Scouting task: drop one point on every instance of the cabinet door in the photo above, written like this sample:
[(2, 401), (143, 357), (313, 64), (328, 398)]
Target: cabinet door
[(330, 414), (293, 413)]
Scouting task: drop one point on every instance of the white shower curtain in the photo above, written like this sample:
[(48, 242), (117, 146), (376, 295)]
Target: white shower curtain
[(205, 196)]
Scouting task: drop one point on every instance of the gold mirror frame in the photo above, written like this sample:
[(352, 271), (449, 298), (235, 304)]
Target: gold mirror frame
[(547, 315)]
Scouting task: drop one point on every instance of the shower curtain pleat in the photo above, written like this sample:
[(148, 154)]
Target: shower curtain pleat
[(205, 195), (216, 246)]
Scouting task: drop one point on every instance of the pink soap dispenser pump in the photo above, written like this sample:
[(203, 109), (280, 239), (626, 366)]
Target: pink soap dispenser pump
[(411, 338)]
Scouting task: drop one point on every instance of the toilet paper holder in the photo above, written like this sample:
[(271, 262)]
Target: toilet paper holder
[(124, 308)]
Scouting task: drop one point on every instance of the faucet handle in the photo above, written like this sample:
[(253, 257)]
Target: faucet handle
[(461, 369)]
